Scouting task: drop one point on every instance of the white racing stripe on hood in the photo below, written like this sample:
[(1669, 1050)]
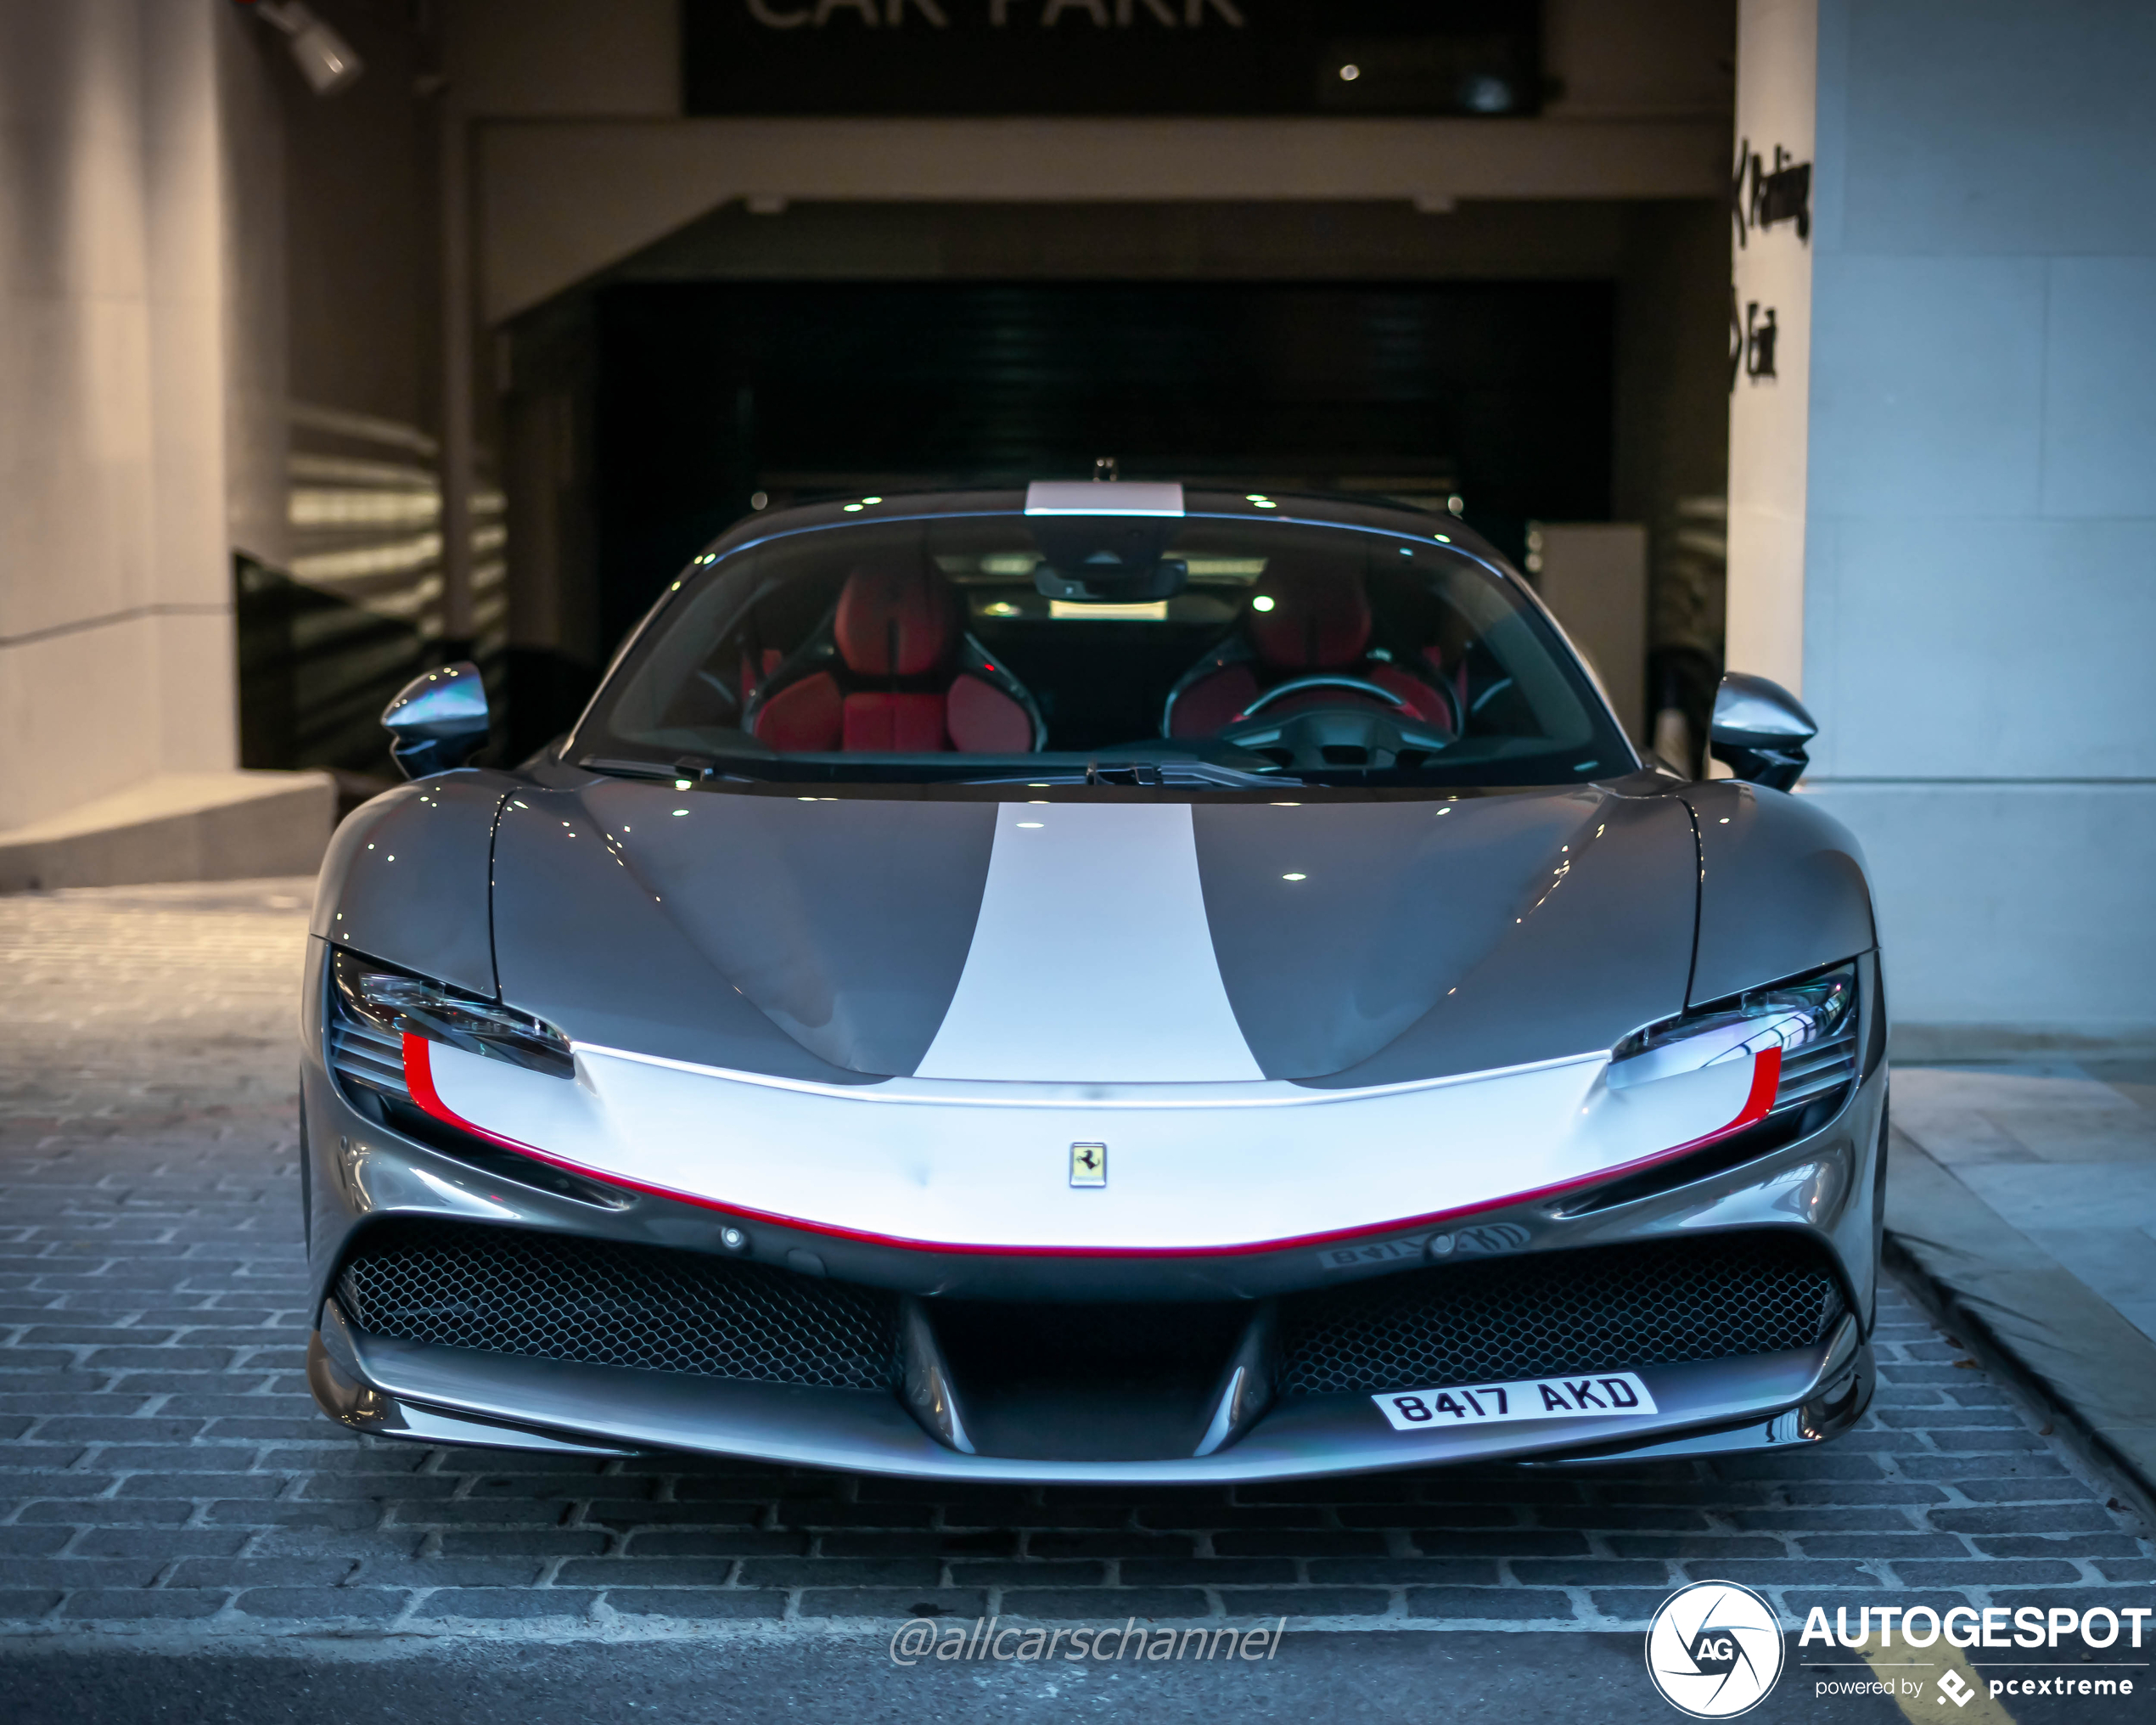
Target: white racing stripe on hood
[(1091, 961)]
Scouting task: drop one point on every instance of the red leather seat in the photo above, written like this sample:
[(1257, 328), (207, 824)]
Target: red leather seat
[(1314, 623), (892, 672)]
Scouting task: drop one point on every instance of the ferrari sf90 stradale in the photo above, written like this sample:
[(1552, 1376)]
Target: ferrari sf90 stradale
[(1104, 982)]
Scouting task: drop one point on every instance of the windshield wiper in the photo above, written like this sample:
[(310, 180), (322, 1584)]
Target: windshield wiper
[(1159, 773), (629, 769), (1183, 773), (688, 767)]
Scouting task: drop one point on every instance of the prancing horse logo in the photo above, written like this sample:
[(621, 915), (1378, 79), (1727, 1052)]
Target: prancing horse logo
[(1089, 1165)]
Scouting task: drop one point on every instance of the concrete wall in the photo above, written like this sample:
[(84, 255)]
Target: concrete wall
[(361, 220), (147, 188), (531, 60), (581, 159), (115, 634), (1979, 529), (258, 380)]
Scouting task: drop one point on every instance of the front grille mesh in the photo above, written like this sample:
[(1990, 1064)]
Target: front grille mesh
[(1607, 1308), (1604, 1308), (545, 1296)]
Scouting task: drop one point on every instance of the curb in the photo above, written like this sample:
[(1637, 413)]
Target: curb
[(2027, 1318)]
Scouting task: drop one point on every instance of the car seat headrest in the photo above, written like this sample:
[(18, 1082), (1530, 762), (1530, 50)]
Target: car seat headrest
[(1316, 621), (894, 621)]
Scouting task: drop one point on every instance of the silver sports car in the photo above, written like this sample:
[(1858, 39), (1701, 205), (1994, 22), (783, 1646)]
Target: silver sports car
[(1107, 982)]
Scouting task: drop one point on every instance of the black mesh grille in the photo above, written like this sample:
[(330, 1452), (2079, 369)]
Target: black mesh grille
[(1604, 1308), (513, 1291)]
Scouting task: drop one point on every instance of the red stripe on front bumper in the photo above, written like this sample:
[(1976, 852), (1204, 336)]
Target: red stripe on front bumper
[(419, 1074)]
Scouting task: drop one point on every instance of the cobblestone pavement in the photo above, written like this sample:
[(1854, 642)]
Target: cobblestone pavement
[(161, 1463)]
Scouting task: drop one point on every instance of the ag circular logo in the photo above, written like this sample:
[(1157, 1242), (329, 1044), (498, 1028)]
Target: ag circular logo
[(1714, 1649)]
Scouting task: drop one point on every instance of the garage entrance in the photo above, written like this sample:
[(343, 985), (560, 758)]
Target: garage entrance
[(1542, 362), (706, 400), (714, 397)]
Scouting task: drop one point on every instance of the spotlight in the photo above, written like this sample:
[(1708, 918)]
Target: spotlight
[(325, 59)]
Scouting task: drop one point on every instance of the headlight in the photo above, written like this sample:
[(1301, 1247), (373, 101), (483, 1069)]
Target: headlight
[(373, 1009), (1808, 1027)]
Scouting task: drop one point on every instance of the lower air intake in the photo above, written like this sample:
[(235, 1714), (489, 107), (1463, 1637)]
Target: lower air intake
[(515, 1292), (1604, 1308)]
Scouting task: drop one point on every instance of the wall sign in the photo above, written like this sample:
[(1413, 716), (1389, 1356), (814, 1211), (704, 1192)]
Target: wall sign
[(1752, 337), (1759, 340), (955, 57), (1761, 198)]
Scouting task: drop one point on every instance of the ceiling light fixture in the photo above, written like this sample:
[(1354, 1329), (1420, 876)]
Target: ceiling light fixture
[(325, 59)]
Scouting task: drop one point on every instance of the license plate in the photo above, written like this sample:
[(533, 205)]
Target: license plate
[(1595, 1397)]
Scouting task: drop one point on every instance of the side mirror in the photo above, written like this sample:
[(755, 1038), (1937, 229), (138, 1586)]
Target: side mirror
[(1759, 730), (438, 721)]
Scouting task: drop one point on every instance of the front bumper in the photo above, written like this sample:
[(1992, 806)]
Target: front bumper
[(468, 1398), (1822, 1189)]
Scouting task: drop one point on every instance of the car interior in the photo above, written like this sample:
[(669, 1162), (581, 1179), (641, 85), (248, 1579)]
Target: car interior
[(1305, 647)]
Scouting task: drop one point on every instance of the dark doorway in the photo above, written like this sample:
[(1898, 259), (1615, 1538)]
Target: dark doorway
[(710, 393)]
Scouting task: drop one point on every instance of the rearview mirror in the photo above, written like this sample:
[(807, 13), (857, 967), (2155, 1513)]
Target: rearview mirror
[(1759, 730), (1100, 541), (438, 721)]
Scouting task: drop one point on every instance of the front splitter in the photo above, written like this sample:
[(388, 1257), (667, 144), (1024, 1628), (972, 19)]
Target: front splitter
[(467, 1395)]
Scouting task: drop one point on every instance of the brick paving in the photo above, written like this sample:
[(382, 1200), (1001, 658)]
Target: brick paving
[(161, 1463)]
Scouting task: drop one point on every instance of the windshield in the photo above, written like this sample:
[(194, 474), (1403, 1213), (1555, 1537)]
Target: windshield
[(1193, 649)]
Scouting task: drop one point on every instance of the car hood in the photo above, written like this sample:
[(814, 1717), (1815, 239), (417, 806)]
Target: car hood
[(1105, 936)]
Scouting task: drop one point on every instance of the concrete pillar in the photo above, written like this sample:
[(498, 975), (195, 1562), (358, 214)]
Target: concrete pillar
[(116, 650), (114, 618), (1770, 324), (1971, 614)]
